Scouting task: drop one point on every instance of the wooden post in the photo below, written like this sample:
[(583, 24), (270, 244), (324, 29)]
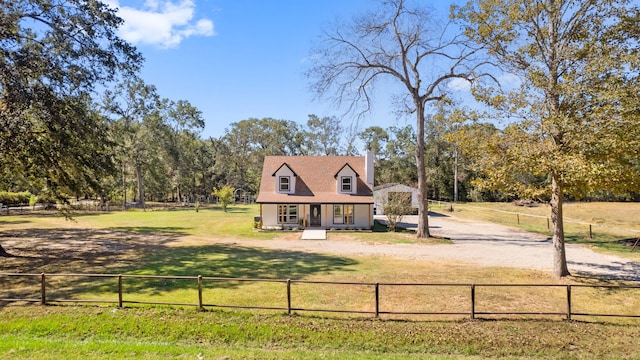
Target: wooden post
[(289, 296), (200, 308), (377, 300), (43, 290), (473, 301), (590, 232), (304, 215), (568, 302), (120, 290), (548, 226), (282, 215), (260, 225), (326, 215), (518, 218)]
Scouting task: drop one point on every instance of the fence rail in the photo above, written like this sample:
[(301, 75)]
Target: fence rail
[(472, 292)]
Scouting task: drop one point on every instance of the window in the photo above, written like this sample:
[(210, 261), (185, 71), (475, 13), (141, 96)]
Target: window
[(348, 214), (288, 214), (337, 214), (284, 183), (343, 214), (346, 184)]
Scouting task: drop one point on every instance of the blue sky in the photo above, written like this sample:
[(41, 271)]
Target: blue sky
[(239, 59)]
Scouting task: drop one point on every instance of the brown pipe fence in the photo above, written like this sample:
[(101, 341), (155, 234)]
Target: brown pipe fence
[(473, 299)]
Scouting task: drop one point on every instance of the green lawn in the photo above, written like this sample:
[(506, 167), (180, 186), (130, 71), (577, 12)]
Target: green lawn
[(151, 333)]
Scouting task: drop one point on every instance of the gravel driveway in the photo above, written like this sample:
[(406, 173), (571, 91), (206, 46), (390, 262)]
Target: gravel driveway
[(492, 244), (481, 243)]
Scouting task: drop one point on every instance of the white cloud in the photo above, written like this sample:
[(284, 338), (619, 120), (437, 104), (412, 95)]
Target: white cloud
[(161, 23), (509, 80), (459, 84)]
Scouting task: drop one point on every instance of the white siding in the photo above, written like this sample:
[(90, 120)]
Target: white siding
[(363, 216), (380, 196)]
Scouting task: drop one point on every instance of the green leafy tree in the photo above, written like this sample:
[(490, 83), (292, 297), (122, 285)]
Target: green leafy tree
[(185, 122), (136, 128), (575, 115), (53, 54), (225, 196), (396, 206), (398, 43), (247, 142), (323, 136)]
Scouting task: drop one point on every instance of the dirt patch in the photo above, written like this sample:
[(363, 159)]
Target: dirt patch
[(74, 250)]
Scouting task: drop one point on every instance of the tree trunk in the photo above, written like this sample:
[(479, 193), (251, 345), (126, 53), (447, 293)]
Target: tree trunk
[(423, 203), (140, 186), (3, 252), (559, 254), (455, 176), (124, 188)]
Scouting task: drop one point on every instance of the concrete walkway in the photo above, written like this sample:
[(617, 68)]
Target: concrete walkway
[(314, 234)]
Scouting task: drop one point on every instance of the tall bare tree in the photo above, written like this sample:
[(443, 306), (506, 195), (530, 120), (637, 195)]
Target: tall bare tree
[(406, 44), (575, 117)]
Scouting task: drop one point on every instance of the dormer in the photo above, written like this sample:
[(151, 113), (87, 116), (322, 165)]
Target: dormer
[(285, 180), (346, 180)]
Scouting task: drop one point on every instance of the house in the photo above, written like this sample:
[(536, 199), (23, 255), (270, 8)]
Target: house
[(382, 194), (325, 192)]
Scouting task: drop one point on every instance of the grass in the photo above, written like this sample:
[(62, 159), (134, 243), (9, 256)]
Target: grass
[(145, 333), (213, 243)]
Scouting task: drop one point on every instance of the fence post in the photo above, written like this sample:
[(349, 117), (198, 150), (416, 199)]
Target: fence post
[(590, 232), (377, 300), (518, 218), (43, 291), (200, 293), (289, 296), (473, 301), (548, 226), (120, 290), (568, 302)]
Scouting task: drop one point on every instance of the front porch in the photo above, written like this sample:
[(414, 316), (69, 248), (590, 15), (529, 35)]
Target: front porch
[(299, 216)]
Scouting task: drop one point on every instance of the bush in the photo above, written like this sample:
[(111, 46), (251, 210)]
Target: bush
[(15, 198)]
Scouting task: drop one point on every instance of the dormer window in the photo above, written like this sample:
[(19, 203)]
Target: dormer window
[(285, 180), (346, 184), (285, 183)]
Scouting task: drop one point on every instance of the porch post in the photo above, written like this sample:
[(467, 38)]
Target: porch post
[(326, 216), (304, 216), (260, 225)]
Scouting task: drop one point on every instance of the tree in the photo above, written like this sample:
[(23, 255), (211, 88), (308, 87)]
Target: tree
[(575, 116), (184, 123), (399, 43), (396, 206), (375, 139), (53, 53), (323, 136), (225, 195), (135, 106), (247, 142)]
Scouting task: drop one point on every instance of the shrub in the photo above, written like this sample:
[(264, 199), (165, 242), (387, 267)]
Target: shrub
[(15, 198)]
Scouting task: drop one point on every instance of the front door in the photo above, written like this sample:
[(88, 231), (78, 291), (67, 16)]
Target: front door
[(315, 217)]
